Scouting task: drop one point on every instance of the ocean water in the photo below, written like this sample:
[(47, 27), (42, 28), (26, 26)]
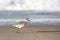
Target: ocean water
[(36, 18)]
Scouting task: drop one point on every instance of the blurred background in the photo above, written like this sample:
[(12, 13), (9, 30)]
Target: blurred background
[(49, 5), (40, 12), (37, 18)]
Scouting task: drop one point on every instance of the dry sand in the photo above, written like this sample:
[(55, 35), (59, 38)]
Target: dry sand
[(30, 33)]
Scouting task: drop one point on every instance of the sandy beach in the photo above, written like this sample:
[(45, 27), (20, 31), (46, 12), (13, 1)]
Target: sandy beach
[(30, 33)]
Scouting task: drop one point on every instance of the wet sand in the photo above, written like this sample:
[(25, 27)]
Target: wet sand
[(30, 33)]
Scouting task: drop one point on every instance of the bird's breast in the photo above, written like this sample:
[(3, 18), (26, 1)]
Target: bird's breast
[(19, 26)]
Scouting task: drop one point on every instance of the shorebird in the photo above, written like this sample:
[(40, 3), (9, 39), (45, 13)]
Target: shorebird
[(20, 24)]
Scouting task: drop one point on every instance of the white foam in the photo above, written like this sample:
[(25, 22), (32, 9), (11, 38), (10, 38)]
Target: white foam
[(51, 5)]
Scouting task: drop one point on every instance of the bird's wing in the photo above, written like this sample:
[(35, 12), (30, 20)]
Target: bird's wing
[(21, 22)]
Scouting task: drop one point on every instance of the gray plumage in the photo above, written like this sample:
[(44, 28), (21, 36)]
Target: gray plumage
[(21, 24)]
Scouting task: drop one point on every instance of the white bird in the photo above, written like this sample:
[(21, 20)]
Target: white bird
[(20, 24)]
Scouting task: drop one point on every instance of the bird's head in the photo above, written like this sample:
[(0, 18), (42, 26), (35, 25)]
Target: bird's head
[(26, 19)]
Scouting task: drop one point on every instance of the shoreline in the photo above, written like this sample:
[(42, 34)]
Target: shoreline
[(30, 33)]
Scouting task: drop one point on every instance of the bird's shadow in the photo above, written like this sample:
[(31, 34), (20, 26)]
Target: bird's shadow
[(35, 32), (25, 32)]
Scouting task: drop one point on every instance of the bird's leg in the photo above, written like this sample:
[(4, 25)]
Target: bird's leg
[(21, 30), (17, 30)]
